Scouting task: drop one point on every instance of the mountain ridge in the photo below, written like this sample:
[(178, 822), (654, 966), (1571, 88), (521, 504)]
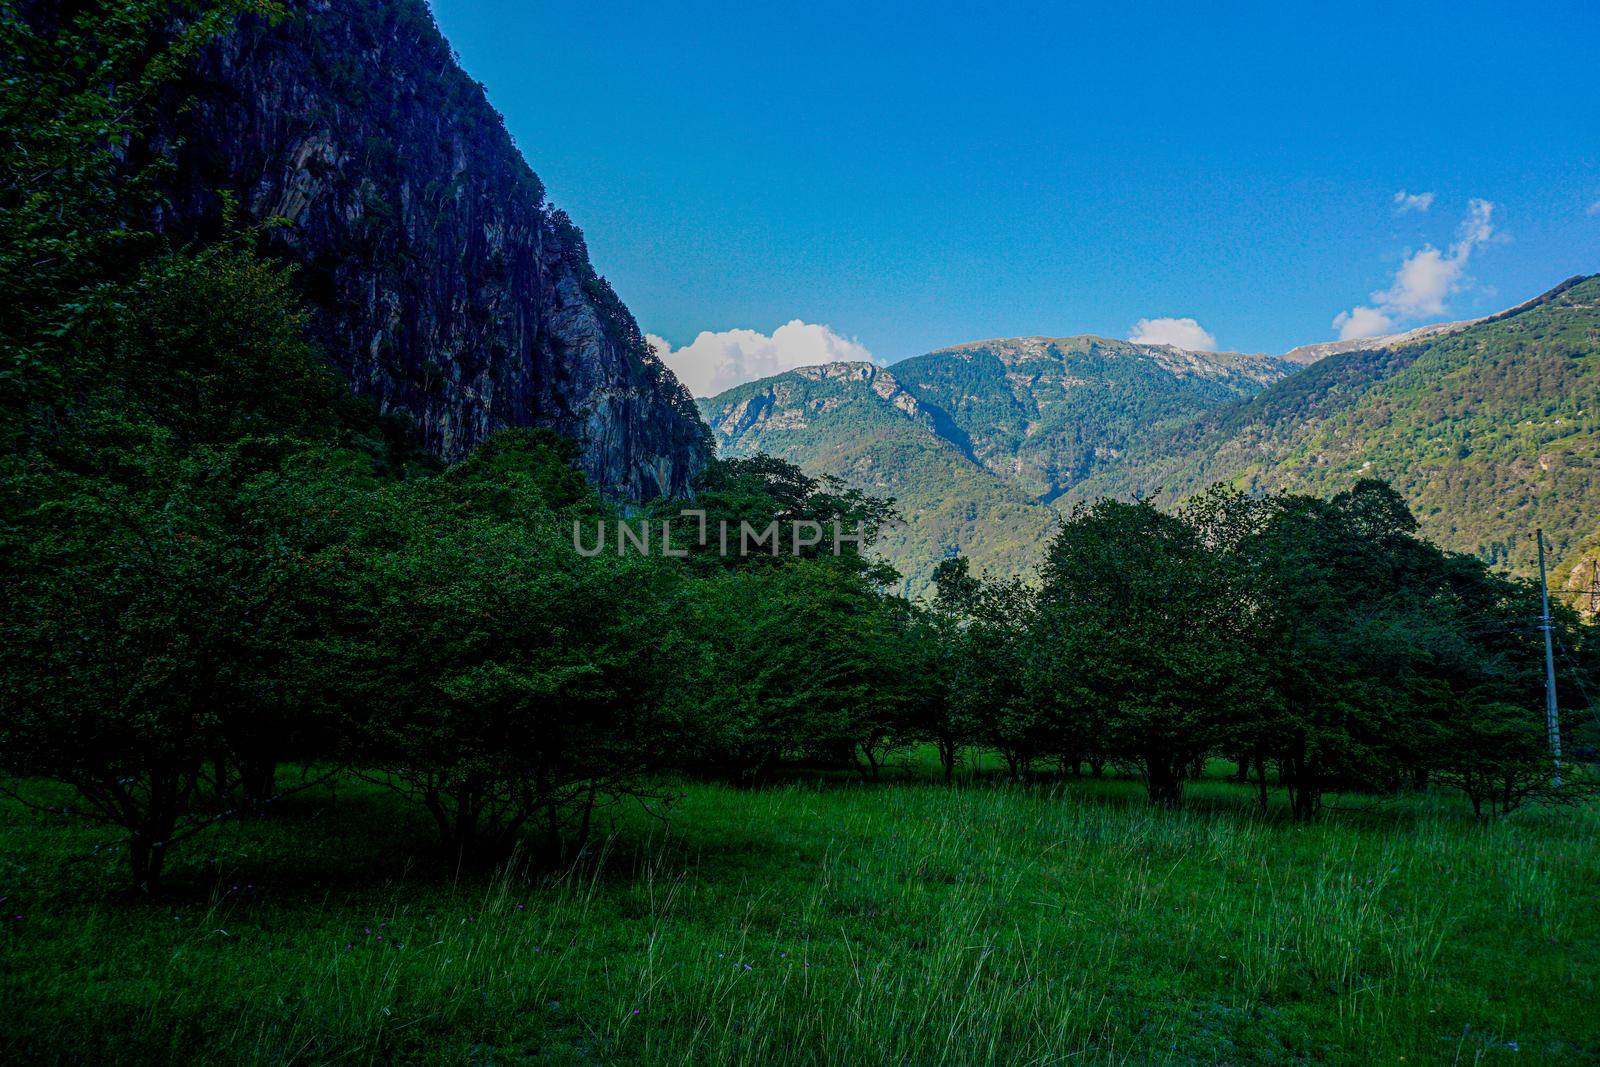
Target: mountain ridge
[(975, 477), (1045, 423)]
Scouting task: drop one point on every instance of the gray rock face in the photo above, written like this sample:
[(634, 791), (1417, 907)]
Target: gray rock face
[(443, 284)]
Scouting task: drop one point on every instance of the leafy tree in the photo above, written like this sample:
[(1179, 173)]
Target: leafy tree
[(757, 492), (1144, 637), (930, 667), (1330, 623), (1480, 693), (990, 700), (790, 662), (493, 674), (157, 655), (155, 626), (76, 201)]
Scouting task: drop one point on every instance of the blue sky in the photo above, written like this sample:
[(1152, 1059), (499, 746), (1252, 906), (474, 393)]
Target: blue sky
[(913, 176)]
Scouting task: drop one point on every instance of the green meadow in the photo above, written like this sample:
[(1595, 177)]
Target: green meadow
[(822, 921)]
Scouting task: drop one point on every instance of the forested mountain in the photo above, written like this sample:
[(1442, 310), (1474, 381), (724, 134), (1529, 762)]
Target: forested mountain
[(1488, 427), (442, 282), (975, 441), (1043, 414), (1488, 431)]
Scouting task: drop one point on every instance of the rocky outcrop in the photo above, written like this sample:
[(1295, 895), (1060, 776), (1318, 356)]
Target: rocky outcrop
[(443, 283)]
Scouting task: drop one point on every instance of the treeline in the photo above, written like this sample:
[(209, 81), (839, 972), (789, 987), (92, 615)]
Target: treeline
[(1319, 644), (215, 564)]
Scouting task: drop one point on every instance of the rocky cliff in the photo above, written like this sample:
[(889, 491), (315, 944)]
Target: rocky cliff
[(443, 283)]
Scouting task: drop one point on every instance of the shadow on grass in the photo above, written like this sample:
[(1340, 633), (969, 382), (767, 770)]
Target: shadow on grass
[(350, 836)]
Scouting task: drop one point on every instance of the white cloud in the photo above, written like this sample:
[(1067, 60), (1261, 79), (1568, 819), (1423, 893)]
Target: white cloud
[(713, 362), (1594, 208), (1179, 333), (1404, 202), (1362, 322), (1427, 278)]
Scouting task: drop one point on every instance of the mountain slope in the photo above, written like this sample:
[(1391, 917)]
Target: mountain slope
[(974, 441), (855, 421), (444, 284), (1043, 413), (1489, 429)]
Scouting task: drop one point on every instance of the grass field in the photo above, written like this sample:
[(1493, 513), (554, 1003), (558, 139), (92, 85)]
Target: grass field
[(823, 922)]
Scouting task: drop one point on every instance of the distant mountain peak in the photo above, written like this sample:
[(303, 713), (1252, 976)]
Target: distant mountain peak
[(1184, 362), (848, 370)]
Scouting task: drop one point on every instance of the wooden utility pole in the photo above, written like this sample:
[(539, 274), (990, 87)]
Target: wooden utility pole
[(1552, 721)]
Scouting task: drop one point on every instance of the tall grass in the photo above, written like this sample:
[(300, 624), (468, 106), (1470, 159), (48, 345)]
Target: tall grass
[(904, 924)]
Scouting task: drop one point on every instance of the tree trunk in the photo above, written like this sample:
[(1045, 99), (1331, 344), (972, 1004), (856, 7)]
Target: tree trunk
[(1164, 783), (872, 762), (1242, 765), (147, 852), (588, 813), (1306, 800), (435, 805), (258, 780)]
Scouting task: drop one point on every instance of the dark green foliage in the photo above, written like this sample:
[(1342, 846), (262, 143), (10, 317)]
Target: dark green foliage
[(1319, 638), (790, 663), (991, 700), (151, 595), (76, 94), (796, 654), (748, 495), (1144, 637), (488, 670)]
